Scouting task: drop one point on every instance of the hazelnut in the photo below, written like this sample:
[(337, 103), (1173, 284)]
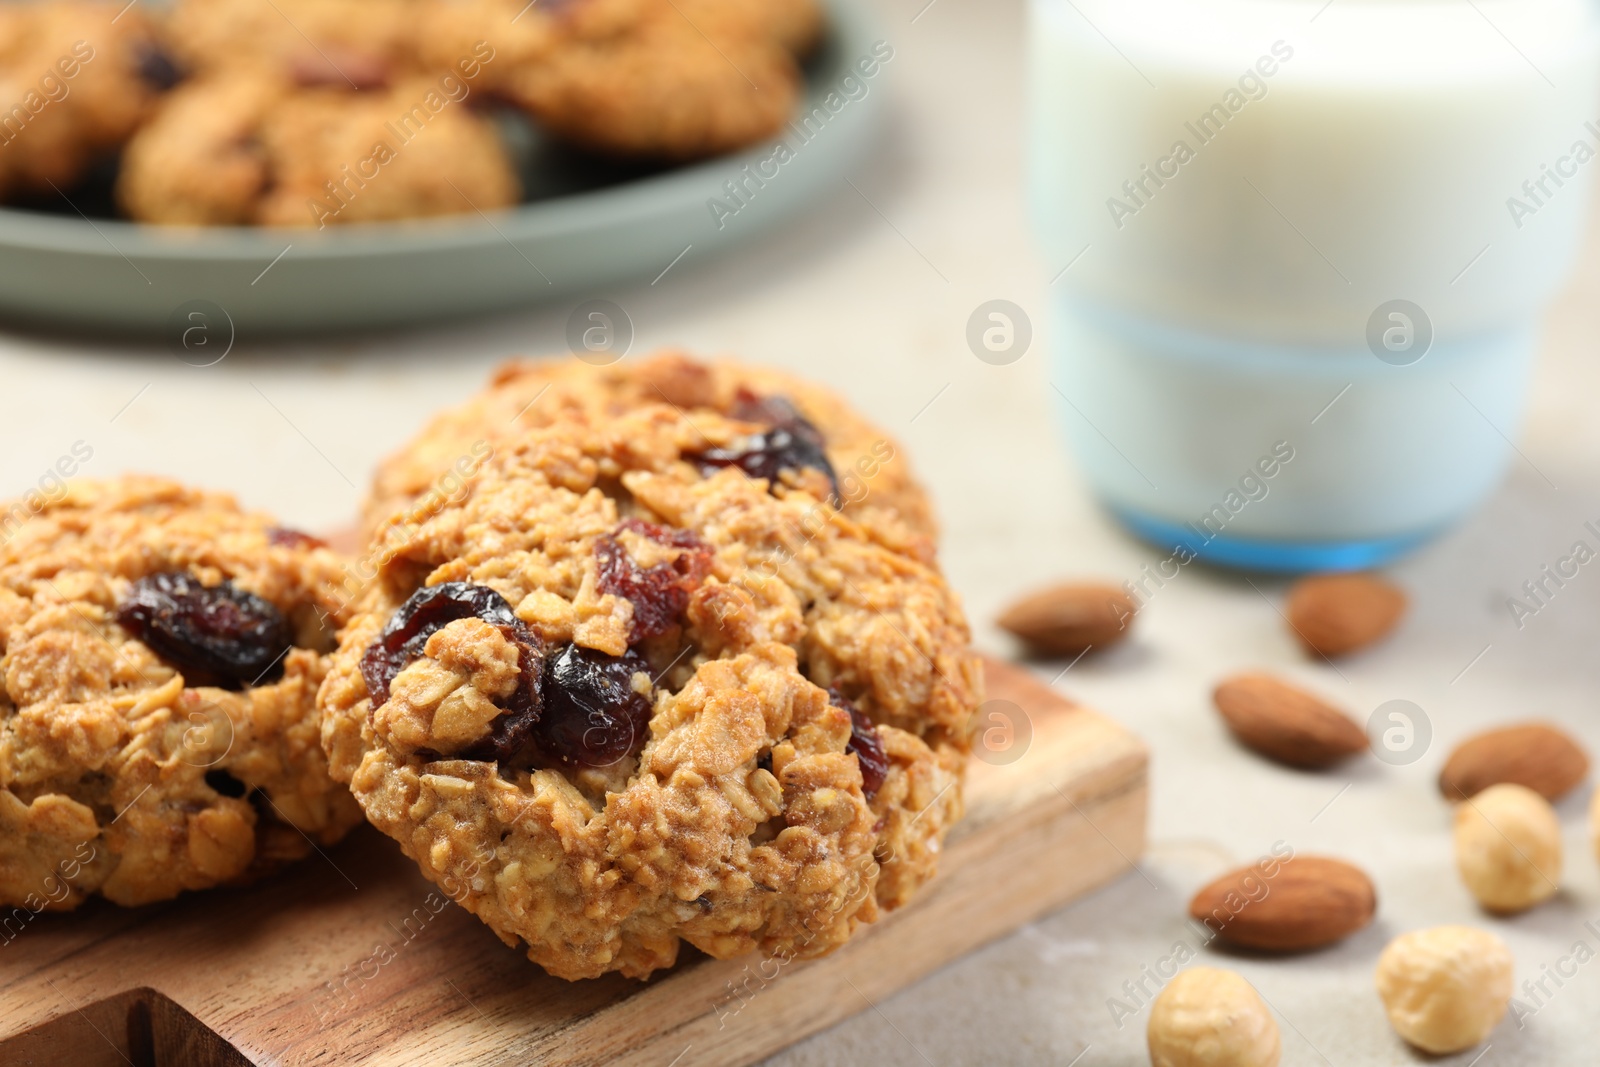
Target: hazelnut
[(1508, 847), (1211, 1018), (1446, 987), (1594, 821)]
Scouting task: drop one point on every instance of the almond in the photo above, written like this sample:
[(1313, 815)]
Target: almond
[(1285, 723), (1535, 754), (1335, 614), (1069, 618), (1303, 903)]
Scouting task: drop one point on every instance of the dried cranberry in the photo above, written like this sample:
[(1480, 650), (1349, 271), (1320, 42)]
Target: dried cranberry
[(658, 593), (773, 410), (284, 537), (592, 716), (764, 455), (792, 442), (156, 67), (430, 610), (216, 635), (864, 744), (340, 69), (576, 707)]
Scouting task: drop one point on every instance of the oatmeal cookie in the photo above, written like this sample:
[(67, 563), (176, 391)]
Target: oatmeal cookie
[(161, 653), (76, 79), (668, 80), (254, 147), (873, 473), (355, 43), (638, 683)]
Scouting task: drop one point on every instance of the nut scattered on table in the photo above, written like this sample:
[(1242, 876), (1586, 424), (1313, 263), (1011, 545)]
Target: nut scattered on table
[(1287, 723), (1336, 614), (1071, 617), (1508, 847), (1538, 755), (1304, 903), (1446, 987), (1594, 822), (1207, 1017)]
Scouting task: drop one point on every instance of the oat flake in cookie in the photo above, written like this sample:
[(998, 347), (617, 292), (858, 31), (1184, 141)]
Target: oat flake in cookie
[(158, 732), (620, 697)]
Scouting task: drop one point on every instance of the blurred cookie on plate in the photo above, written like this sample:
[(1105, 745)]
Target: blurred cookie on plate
[(254, 147), (76, 79), (666, 80), (357, 43)]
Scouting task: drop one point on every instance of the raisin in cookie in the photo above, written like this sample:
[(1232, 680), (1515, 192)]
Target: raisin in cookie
[(871, 473), (652, 79), (639, 682), (158, 729), (76, 79), (253, 146)]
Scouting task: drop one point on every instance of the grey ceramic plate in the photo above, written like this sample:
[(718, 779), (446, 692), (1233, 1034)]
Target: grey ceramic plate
[(586, 225)]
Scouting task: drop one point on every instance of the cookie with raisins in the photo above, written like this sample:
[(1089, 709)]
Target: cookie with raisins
[(161, 653), (659, 80), (353, 43), (792, 430), (638, 680), (77, 77), (265, 147)]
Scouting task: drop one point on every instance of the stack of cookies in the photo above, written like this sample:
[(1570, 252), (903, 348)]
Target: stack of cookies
[(320, 112), (628, 657)]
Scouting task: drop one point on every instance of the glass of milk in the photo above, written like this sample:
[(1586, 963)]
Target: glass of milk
[(1303, 247)]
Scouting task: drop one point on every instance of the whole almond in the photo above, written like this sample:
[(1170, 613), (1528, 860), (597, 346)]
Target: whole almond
[(1335, 614), (1286, 723), (1303, 903), (1535, 754), (1066, 619)]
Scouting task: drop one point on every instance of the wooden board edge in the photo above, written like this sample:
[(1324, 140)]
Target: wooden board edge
[(1064, 817)]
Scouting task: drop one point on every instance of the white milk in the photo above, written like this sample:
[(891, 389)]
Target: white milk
[(1238, 186)]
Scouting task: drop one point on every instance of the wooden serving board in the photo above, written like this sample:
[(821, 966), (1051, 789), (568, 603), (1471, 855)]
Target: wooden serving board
[(353, 958)]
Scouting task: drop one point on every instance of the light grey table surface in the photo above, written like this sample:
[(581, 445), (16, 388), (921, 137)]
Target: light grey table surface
[(871, 293)]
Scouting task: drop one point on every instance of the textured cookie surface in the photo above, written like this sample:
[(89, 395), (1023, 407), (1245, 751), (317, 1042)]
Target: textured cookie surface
[(76, 79), (874, 475), (357, 43), (655, 79), (158, 730), (619, 692), (254, 147)]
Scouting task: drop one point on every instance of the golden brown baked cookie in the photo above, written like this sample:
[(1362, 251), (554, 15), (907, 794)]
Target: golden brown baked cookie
[(639, 683), (158, 729), (874, 475), (253, 147), (656, 79), (355, 43), (76, 79)]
